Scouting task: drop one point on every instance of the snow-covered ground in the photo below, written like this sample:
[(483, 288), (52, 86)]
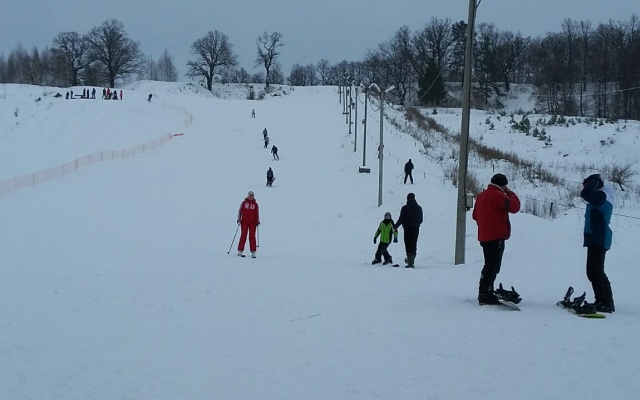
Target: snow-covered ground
[(116, 282)]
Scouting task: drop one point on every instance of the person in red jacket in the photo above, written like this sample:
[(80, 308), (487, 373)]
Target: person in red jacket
[(248, 219), (491, 213)]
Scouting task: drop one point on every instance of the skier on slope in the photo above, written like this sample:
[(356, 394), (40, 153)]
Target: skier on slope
[(386, 231), (248, 219), (408, 168), (270, 177)]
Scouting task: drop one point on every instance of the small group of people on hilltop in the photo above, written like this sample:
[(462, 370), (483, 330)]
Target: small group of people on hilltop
[(86, 94), (108, 94)]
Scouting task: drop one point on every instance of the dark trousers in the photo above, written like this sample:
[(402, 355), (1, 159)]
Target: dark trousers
[(411, 240), (408, 175), (596, 275), (382, 252), (493, 252)]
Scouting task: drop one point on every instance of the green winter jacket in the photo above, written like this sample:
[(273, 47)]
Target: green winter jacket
[(385, 230)]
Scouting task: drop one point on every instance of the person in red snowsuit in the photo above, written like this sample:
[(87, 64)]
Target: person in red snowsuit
[(248, 219)]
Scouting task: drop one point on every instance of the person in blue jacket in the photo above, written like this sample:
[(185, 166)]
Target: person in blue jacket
[(597, 238)]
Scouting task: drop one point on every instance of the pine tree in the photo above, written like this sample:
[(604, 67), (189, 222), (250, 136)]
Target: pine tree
[(432, 90)]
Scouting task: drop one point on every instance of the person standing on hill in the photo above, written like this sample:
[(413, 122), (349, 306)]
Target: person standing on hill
[(270, 177), (264, 133), (408, 167), (248, 219), (253, 113), (597, 238), (491, 213), (387, 232), (274, 151), (266, 142), (410, 218)]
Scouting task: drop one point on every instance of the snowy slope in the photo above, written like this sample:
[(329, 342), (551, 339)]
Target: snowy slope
[(116, 283)]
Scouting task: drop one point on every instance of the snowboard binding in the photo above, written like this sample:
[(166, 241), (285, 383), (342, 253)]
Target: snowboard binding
[(508, 295), (578, 304)]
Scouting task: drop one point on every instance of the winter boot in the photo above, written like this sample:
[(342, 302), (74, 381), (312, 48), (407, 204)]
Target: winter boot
[(253, 254), (240, 253), (376, 261), (487, 298), (388, 261), (409, 260)]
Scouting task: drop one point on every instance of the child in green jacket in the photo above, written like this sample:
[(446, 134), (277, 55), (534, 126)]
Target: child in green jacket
[(386, 231)]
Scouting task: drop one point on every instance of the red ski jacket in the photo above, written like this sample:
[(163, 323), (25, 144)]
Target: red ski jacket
[(491, 212), (249, 213)]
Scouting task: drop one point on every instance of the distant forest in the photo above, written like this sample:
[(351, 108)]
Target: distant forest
[(581, 70)]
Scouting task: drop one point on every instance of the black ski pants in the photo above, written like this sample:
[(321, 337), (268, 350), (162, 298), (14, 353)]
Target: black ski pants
[(408, 175), (493, 251), (383, 252), (596, 275), (411, 240)]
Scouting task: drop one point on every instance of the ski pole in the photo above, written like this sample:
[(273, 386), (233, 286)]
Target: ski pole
[(234, 239), (258, 234)]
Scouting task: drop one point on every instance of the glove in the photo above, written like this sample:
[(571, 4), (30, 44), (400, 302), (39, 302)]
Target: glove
[(238, 222), (375, 240), (395, 240)]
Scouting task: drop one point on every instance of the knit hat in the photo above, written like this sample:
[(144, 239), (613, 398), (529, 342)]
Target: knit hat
[(500, 180), (387, 215), (250, 193), (594, 178), (411, 196)]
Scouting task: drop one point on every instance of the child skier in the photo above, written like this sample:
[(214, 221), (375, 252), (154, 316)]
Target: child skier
[(385, 231)]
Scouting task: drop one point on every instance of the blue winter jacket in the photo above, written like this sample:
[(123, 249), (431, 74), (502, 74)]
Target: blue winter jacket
[(597, 215)]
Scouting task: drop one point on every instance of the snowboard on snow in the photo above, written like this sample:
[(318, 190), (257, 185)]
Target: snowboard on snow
[(508, 299), (578, 306)]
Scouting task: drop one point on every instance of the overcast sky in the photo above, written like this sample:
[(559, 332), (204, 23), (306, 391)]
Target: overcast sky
[(331, 29)]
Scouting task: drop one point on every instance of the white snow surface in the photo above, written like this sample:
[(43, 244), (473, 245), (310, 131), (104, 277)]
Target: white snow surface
[(116, 282)]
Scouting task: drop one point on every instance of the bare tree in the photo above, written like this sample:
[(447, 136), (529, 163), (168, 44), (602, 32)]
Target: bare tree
[(151, 70), (119, 55), (167, 71), (73, 52), (213, 52), (268, 53), (323, 68)]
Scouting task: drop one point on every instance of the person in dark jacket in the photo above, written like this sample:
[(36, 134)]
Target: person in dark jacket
[(597, 238), (387, 232), (408, 167), (270, 177), (491, 213), (274, 151), (410, 218)]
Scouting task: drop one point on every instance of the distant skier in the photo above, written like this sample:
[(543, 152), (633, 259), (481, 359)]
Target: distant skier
[(93, 93), (248, 219), (270, 177), (491, 212), (264, 133), (266, 142), (274, 151), (408, 167), (253, 113), (387, 232), (150, 96)]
